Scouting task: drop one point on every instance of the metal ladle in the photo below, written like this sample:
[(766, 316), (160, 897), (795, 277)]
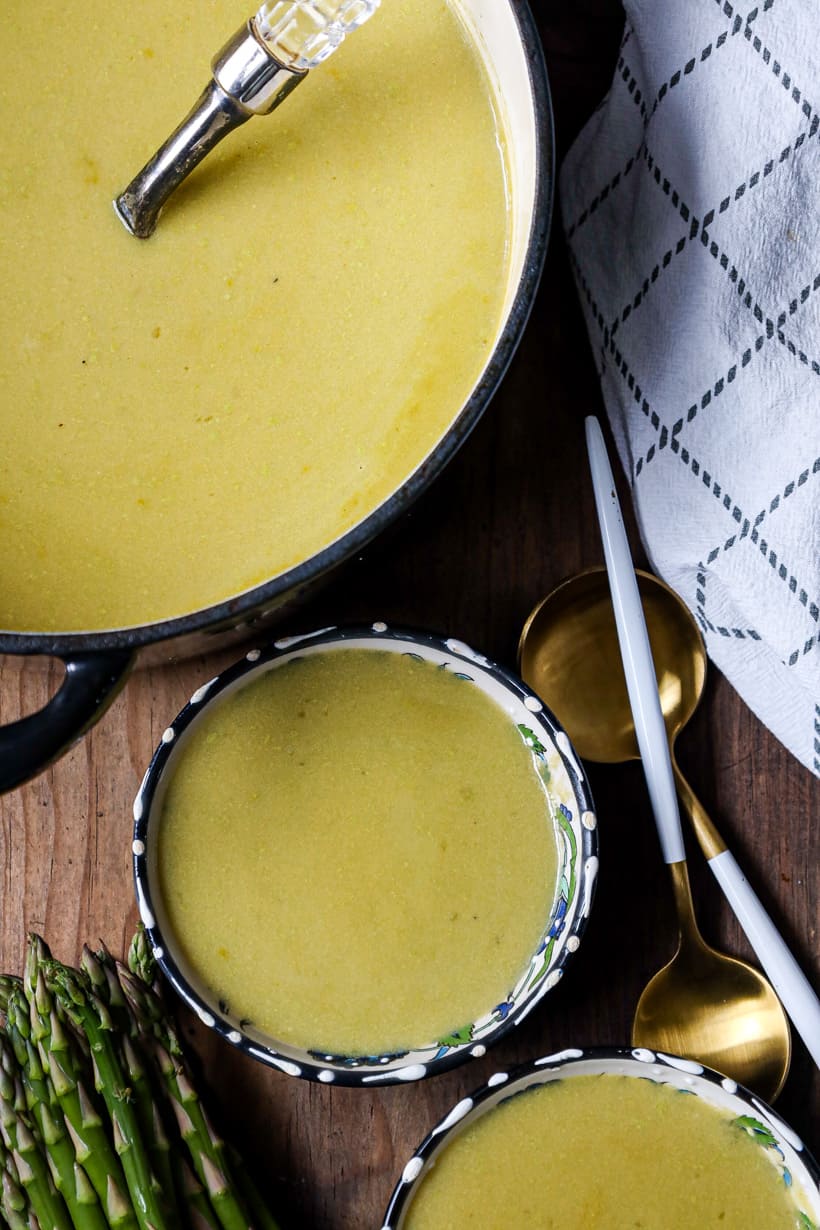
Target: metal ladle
[(252, 74), (722, 1011)]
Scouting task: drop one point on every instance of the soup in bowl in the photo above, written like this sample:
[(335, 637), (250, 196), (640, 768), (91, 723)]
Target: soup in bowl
[(364, 855)]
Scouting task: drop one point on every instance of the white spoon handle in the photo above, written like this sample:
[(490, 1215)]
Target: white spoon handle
[(787, 978), (636, 653)]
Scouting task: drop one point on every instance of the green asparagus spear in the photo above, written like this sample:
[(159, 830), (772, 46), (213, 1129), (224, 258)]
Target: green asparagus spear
[(141, 960), (255, 1203), (71, 1181), (13, 1201), (207, 1150), (86, 1011), (7, 984), (64, 1060), (14, 1204), (200, 1212), (101, 970), (25, 1150)]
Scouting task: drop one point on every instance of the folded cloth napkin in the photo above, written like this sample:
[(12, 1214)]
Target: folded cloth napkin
[(691, 210)]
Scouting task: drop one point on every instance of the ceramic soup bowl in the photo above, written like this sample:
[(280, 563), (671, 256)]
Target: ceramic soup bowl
[(793, 1167), (551, 769)]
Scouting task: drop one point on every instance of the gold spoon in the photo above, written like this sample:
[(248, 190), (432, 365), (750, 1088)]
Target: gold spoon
[(568, 653), (703, 1005)]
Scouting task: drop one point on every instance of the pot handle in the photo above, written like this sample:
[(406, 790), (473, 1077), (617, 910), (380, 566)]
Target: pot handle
[(31, 744)]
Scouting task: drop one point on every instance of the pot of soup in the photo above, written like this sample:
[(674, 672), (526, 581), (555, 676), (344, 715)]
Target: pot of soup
[(199, 426)]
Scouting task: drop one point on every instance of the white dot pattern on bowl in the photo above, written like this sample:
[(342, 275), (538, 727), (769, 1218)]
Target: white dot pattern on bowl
[(267, 1056), (138, 847), (533, 704), (145, 913), (573, 943), (412, 1170), (558, 1057), (588, 820), (779, 1126), (326, 1076), (498, 1078), (205, 1017), (478, 1051), (158, 952), (253, 655), (287, 642), (458, 1112), (234, 1036), (464, 651), (564, 744), (379, 626), (643, 1055), (168, 735), (138, 808), (729, 1085), (682, 1065), (590, 874), (200, 694)]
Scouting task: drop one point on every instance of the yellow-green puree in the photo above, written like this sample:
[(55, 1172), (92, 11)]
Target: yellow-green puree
[(604, 1153), (185, 417), (357, 853)]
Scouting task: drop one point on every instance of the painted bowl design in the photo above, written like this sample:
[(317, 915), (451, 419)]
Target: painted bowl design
[(798, 1170), (576, 838)]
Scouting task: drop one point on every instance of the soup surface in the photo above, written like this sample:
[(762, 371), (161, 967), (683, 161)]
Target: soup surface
[(187, 416), (606, 1153), (356, 852)]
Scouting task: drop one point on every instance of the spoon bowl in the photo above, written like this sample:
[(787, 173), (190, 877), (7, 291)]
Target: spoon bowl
[(702, 1004), (568, 651), (715, 1008)]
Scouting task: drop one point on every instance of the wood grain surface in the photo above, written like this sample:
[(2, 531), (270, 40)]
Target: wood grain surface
[(511, 518)]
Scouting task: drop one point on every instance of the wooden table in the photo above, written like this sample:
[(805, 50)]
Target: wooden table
[(511, 518)]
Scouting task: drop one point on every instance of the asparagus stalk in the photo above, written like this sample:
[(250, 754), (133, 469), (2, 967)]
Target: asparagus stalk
[(255, 1202), (207, 1150), (13, 1202), (26, 1153), (141, 960), (70, 1179), (64, 1060), (87, 1012), (7, 984), (200, 1211), (101, 970)]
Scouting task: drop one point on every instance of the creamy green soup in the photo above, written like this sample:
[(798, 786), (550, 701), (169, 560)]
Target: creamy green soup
[(356, 852), (603, 1153), (187, 416)]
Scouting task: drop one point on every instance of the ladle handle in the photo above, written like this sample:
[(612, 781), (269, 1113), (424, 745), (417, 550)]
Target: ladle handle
[(636, 653), (778, 961)]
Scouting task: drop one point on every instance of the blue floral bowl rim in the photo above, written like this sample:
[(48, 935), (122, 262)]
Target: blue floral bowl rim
[(399, 1066)]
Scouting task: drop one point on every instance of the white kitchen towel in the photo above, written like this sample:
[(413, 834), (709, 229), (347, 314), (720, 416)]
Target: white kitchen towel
[(691, 207)]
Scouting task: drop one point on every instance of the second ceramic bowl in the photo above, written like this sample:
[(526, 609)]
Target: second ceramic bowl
[(567, 810)]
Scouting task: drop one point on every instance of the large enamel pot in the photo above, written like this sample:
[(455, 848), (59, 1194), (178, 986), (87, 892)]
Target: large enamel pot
[(98, 663)]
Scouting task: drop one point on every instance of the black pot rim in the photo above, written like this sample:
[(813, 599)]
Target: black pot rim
[(396, 1067), (245, 606)]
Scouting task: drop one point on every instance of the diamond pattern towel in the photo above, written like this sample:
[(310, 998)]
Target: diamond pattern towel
[(691, 206)]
